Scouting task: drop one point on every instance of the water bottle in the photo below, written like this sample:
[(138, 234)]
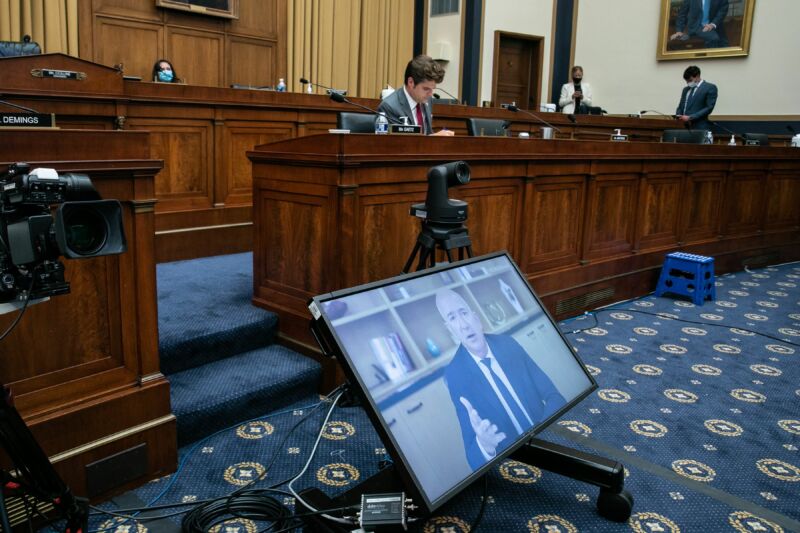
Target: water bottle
[(381, 124), (281, 87), (732, 142), (709, 138)]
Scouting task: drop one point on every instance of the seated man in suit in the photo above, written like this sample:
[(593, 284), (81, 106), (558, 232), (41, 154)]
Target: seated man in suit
[(413, 99), (496, 388), (703, 19), (697, 100)]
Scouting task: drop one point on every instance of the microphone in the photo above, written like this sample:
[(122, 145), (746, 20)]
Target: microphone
[(791, 129), (329, 89), (514, 108), (447, 93), (657, 113), (339, 97), (20, 107), (723, 128)]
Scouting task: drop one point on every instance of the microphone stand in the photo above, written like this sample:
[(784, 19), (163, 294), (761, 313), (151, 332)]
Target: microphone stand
[(456, 100), (674, 117), (340, 98), (516, 109), (330, 90), (733, 134), (20, 107)]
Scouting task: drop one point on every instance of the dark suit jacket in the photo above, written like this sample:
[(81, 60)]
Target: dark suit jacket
[(396, 105), (535, 390), (690, 15), (700, 106)]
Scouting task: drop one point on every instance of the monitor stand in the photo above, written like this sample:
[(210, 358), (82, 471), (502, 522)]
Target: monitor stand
[(613, 503)]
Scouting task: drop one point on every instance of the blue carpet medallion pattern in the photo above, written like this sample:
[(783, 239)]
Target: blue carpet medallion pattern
[(700, 403)]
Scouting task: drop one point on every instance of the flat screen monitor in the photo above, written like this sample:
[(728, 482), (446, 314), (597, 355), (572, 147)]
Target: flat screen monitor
[(457, 366)]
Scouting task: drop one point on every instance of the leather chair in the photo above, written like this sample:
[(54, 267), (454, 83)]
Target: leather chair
[(684, 136), (487, 127), (756, 139), (356, 122)]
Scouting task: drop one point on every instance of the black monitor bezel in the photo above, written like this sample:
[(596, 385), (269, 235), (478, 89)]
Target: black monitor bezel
[(326, 337)]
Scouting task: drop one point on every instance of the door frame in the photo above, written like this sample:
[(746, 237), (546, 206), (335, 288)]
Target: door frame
[(498, 34)]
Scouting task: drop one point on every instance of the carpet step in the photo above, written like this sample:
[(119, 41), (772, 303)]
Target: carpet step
[(222, 393), (205, 314)]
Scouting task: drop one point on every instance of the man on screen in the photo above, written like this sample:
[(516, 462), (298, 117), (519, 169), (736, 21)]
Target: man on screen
[(496, 388)]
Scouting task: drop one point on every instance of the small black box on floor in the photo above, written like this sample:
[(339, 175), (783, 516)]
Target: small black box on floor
[(383, 513)]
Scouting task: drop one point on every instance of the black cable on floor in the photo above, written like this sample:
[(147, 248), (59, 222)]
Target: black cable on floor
[(253, 505), (474, 526)]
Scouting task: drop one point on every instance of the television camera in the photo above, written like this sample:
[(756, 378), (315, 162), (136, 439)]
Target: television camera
[(33, 237)]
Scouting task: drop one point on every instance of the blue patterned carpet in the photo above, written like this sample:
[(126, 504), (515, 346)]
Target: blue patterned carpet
[(701, 404)]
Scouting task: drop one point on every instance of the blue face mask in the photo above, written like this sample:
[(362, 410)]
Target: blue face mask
[(165, 76)]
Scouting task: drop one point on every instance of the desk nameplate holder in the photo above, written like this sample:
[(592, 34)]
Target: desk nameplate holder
[(405, 129), (59, 74), (27, 120)]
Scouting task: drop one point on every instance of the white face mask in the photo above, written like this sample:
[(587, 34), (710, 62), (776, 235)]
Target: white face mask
[(692, 84)]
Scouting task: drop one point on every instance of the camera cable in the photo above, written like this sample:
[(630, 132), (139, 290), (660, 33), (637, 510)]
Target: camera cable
[(24, 306)]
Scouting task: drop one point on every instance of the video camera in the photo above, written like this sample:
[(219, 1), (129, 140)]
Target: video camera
[(32, 237), (438, 208)]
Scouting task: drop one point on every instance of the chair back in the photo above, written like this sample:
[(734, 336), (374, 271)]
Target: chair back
[(756, 139), (684, 136), (356, 122), (487, 127)]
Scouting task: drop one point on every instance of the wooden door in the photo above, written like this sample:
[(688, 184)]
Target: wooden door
[(517, 70)]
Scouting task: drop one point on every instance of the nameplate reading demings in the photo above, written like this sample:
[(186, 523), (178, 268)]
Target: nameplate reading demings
[(27, 120)]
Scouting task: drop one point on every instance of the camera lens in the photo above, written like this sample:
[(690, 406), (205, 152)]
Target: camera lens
[(86, 230)]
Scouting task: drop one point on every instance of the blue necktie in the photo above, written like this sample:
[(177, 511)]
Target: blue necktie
[(519, 414), (706, 9), (688, 97)]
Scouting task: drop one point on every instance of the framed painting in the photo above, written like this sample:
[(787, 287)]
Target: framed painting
[(696, 29), (217, 8)]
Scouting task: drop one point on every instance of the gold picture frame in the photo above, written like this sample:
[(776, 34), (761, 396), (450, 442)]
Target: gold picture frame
[(216, 8), (727, 35)]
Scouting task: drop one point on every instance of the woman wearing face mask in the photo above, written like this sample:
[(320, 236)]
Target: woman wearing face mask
[(576, 92), (164, 73)]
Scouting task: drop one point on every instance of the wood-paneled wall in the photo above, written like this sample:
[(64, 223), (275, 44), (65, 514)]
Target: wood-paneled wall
[(204, 50), (84, 367), (589, 223), (202, 133)]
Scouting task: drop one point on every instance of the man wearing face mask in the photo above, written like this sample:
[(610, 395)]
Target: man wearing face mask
[(576, 97), (697, 100), (163, 72)]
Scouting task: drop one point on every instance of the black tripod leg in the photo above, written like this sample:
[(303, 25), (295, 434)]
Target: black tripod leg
[(411, 257), (613, 503)]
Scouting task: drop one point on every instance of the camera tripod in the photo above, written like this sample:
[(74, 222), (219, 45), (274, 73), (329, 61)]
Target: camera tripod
[(34, 478), (445, 236)]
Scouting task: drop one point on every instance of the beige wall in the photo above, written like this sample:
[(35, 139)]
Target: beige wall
[(619, 58), (530, 17), (616, 43), (443, 38)]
